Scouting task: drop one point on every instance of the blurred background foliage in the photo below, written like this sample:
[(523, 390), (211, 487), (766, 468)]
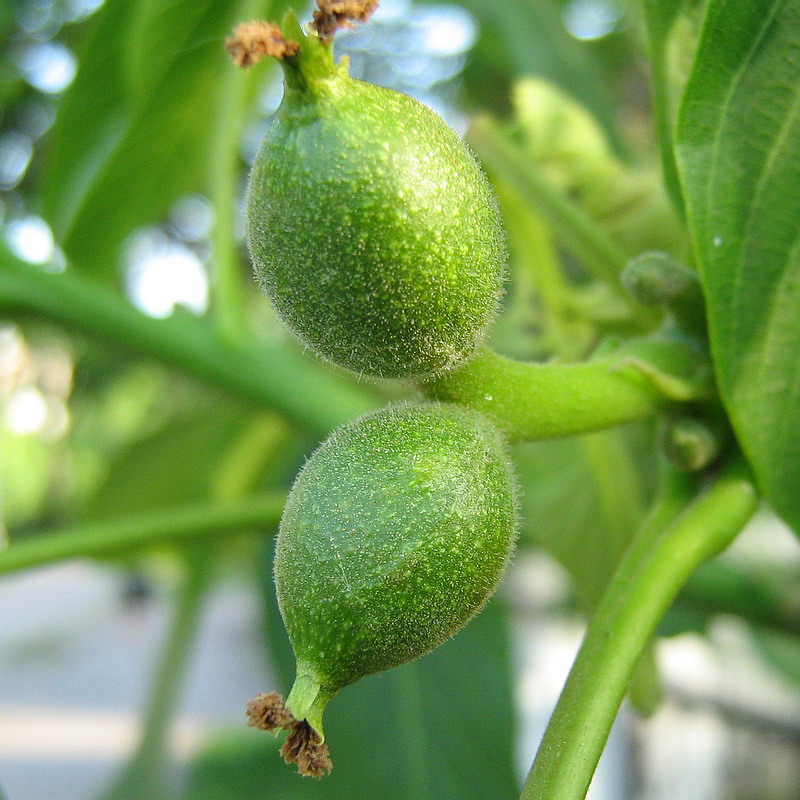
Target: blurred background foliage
[(125, 138)]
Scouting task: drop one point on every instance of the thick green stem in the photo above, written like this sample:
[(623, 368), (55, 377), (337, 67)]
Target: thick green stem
[(147, 775), (531, 401), (646, 581), (178, 526), (305, 392), (574, 229), (676, 488)]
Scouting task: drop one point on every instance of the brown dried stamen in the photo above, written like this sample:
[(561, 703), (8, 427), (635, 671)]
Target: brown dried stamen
[(268, 713), (252, 41), (304, 747), (331, 15)]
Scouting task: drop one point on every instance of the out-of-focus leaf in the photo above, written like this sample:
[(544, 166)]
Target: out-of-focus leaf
[(440, 728), (528, 37), (738, 146), (26, 473), (216, 454), (539, 316), (133, 129), (779, 650), (582, 499), (570, 146), (682, 619), (244, 764)]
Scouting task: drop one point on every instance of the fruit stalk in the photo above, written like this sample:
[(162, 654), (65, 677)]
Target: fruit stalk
[(533, 401)]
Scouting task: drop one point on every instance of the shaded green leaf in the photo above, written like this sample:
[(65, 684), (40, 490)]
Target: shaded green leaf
[(582, 499), (780, 650), (738, 145), (576, 154), (220, 453)]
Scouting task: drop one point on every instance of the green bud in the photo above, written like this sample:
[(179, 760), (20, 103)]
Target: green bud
[(690, 443)]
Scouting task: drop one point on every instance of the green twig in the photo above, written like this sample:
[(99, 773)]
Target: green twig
[(645, 583), (177, 526), (572, 227), (227, 291), (531, 401), (228, 296), (659, 18), (305, 392)]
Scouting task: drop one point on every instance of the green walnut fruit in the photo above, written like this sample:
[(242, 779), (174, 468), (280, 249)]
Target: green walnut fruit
[(394, 535), (371, 228)]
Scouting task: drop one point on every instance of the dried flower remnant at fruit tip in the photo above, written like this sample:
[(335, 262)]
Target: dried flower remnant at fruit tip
[(331, 15), (252, 41), (268, 713), (303, 745)]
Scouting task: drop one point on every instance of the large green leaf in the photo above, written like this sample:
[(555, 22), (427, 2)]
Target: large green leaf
[(440, 728), (738, 145), (133, 130)]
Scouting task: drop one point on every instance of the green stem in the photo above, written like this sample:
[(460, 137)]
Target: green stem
[(645, 583), (571, 225), (531, 401), (147, 774), (177, 526), (227, 291), (233, 104), (676, 488), (305, 392), (657, 36)]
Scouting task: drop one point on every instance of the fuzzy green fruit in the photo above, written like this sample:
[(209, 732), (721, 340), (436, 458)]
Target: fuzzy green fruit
[(371, 228), (395, 533)]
